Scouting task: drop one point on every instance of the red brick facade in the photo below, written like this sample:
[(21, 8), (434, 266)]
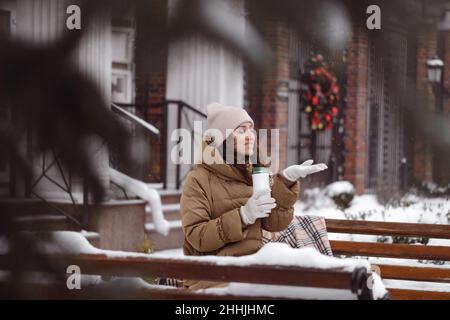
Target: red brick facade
[(266, 106), (426, 48), (446, 75), (355, 111), (151, 73), (269, 109)]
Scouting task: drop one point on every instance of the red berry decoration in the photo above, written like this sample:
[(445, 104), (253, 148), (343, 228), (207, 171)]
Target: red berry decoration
[(321, 98)]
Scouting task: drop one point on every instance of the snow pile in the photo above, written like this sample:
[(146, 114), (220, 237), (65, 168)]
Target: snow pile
[(336, 188), (283, 255), (411, 208), (435, 62), (67, 242)]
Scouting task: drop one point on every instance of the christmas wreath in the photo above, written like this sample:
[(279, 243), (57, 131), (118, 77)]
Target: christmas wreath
[(320, 94)]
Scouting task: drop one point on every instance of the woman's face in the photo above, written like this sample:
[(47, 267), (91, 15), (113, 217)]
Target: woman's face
[(244, 139)]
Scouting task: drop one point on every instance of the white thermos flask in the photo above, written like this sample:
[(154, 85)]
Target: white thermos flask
[(260, 178)]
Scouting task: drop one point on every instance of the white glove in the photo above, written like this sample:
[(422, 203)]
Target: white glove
[(258, 206), (293, 173)]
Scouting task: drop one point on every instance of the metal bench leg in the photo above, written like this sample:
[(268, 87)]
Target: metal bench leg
[(359, 284)]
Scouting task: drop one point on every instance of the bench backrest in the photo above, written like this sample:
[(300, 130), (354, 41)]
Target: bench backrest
[(427, 273)]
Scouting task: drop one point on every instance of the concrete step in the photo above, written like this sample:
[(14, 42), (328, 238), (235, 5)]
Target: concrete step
[(170, 196), (28, 207), (157, 186), (120, 223), (171, 212), (46, 223), (173, 240)]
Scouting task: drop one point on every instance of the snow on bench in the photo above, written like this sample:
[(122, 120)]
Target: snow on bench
[(275, 271)]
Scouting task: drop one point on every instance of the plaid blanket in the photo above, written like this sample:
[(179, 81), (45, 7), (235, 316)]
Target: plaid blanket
[(303, 231)]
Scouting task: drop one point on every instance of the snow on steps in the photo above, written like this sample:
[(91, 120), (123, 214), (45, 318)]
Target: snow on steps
[(172, 241), (171, 208), (171, 212), (144, 192), (170, 196)]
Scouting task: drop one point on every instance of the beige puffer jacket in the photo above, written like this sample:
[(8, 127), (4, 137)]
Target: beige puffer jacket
[(210, 202)]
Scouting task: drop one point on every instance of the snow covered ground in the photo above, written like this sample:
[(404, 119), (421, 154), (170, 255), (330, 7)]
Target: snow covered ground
[(411, 208)]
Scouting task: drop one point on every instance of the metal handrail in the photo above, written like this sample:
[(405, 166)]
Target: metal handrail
[(182, 103), (162, 133), (150, 128), (191, 108)]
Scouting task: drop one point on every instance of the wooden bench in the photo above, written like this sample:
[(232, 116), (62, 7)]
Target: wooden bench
[(427, 273), (336, 278), (355, 281)]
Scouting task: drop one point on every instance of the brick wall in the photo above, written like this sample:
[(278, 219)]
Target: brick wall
[(446, 75), (444, 161), (151, 71), (426, 48), (269, 110), (356, 107)]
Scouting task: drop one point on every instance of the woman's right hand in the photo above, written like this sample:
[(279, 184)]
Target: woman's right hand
[(258, 206)]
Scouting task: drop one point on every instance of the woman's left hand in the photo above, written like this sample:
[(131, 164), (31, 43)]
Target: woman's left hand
[(297, 171)]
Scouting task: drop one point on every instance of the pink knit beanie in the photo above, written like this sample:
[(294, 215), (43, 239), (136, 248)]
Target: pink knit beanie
[(221, 117)]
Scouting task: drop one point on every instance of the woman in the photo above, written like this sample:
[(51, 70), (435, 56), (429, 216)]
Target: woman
[(219, 212)]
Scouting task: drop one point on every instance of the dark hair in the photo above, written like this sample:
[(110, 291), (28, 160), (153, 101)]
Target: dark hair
[(258, 153)]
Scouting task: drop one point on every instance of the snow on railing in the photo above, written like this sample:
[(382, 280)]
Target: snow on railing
[(151, 196)]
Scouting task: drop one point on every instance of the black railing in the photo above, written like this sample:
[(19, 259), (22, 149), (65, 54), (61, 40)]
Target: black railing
[(182, 110), (51, 160), (66, 186)]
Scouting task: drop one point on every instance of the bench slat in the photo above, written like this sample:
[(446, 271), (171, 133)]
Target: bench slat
[(413, 273), (403, 251), (404, 294), (389, 228), (60, 292), (196, 270)]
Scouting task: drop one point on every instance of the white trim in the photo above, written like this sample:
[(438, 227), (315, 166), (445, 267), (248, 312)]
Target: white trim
[(127, 96), (129, 34)]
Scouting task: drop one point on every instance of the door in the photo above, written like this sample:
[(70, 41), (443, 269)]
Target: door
[(387, 79), (304, 143)]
